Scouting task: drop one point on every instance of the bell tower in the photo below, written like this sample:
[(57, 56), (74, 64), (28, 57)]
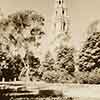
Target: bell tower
[(60, 27), (60, 24), (61, 18)]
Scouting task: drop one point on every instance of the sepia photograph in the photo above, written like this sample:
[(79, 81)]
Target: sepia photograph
[(49, 50)]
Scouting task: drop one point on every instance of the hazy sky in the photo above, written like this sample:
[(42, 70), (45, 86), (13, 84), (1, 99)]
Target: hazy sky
[(81, 12)]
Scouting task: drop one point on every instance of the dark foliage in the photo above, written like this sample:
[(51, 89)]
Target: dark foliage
[(20, 33), (65, 59), (60, 69), (89, 57)]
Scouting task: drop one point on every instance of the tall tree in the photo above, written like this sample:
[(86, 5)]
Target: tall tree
[(21, 32), (65, 59), (89, 57), (60, 69), (89, 60)]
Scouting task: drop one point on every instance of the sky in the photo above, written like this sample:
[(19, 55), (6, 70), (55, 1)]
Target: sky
[(81, 12)]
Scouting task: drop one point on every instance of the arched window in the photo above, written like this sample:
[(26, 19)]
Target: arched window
[(63, 12), (59, 2), (62, 1), (64, 24), (56, 12)]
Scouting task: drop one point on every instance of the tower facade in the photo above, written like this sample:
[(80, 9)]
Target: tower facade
[(61, 18), (60, 24), (60, 27)]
